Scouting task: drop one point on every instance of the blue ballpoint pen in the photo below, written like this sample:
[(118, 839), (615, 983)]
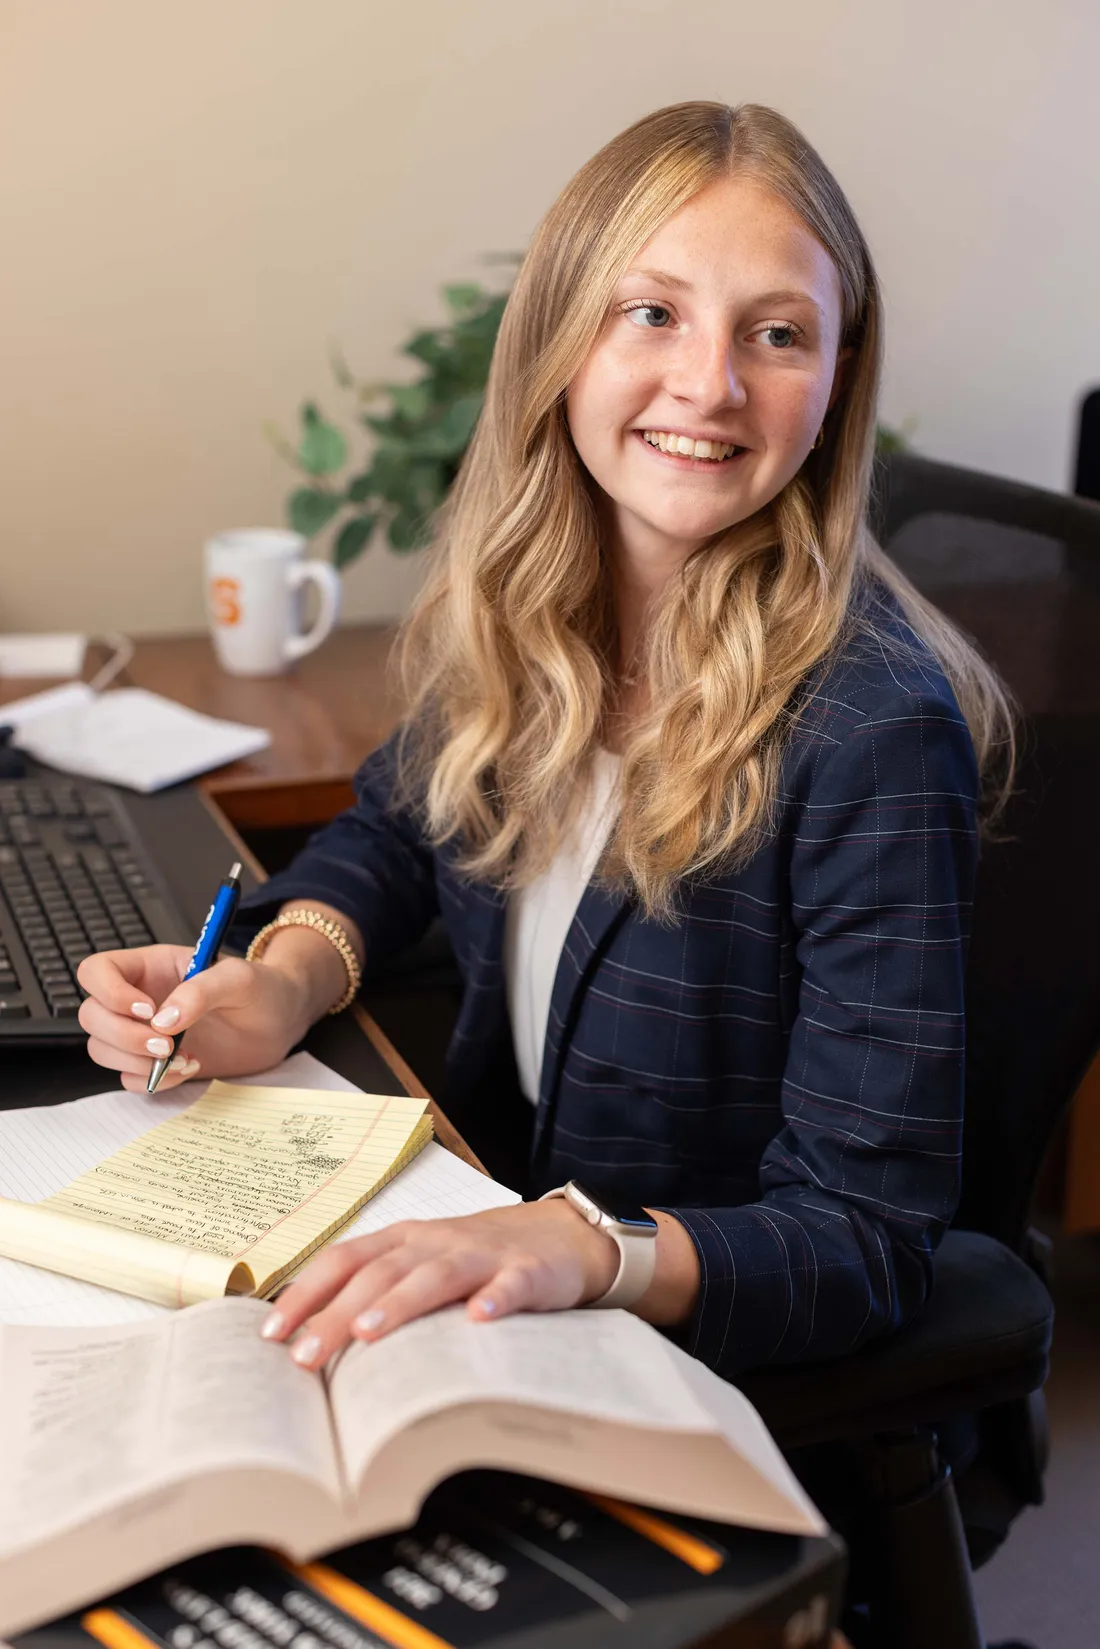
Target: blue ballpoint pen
[(218, 918)]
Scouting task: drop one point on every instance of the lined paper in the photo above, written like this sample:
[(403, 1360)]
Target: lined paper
[(43, 1148), (257, 1176)]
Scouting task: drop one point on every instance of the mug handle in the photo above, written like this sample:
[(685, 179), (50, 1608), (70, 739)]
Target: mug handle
[(327, 580)]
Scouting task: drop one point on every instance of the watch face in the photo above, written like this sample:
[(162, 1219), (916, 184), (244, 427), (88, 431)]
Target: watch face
[(624, 1213)]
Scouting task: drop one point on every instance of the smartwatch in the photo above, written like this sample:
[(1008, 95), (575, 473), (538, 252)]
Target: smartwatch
[(633, 1231)]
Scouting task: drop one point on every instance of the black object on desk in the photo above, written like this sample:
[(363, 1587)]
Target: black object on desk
[(74, 878), (495, 1561), (186, 852)]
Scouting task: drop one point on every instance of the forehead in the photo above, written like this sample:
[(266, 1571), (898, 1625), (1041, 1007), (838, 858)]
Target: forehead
[(735, 237)]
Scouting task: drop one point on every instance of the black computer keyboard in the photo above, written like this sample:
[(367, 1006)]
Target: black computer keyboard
[(74, 878)]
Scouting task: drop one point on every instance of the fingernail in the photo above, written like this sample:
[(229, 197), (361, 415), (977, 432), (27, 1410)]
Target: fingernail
[(487, 1307), (166, 1018), (368, 1321), (158, 1046), (142, 1010), (180, 1063), (308, 1350), (273, 1326), (191, 1066)]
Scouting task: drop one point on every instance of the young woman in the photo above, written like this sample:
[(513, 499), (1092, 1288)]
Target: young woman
[(692, 775)]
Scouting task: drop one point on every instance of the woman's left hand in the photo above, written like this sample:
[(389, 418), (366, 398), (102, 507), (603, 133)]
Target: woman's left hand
[(537, 1256)]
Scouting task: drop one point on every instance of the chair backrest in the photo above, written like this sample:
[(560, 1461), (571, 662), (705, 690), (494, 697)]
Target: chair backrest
[(1087, 469), (1019, 570)]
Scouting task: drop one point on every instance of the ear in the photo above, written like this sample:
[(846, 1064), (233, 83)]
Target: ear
[(840, 373)]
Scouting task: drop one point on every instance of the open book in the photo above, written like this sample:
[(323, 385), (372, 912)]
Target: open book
[(131, 1447), (230, 1196)]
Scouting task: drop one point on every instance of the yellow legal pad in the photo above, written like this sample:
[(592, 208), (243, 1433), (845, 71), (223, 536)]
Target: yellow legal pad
[(231, 1196)]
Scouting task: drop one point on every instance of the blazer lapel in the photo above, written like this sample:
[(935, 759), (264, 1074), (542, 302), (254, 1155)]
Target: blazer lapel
[(598, 917)]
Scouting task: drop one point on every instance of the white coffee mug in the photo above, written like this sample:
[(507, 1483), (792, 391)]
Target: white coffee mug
[(253, 579)]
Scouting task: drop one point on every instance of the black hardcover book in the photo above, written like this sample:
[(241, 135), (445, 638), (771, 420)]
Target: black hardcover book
[(495, 1561)]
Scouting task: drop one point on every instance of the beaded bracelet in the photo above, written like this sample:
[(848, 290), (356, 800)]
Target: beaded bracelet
[(330, 930)]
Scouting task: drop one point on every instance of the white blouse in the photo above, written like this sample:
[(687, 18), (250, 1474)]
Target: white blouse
[(540, 915)]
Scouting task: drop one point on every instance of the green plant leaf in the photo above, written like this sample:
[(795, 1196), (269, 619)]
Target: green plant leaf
[(352, 538), (361, 488), (309, 509), (462, 296), (890, 440), (407, 530), (412, 401), (457, 423), (450, 435), (322, 449), (429, 346), (381, 425)]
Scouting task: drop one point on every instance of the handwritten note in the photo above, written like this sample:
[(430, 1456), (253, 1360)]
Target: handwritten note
[(259, 1177), (43, 1148)]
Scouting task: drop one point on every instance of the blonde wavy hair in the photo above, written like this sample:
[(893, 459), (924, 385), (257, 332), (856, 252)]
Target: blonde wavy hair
[(507, 656)]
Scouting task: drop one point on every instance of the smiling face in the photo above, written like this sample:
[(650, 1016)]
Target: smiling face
[(724, 333)]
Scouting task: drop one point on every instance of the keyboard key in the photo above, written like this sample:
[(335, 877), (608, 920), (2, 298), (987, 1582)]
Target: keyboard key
[(9, 984), (12, 1007), (65, 1007)]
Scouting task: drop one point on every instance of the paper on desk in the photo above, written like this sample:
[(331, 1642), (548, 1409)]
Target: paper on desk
[(43, 655), (43, 1148), (130, 736), (73, 696)]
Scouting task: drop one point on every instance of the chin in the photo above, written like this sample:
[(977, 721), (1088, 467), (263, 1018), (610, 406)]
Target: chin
[(680, 523)]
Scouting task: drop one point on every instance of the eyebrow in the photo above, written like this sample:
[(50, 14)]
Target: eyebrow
[(678, 284)]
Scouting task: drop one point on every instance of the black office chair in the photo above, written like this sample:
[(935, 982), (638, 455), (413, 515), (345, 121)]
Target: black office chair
[(1020, 569), (1086, 481)]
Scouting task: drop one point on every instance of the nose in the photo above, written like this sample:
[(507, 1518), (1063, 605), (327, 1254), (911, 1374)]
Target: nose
[(705, 372)]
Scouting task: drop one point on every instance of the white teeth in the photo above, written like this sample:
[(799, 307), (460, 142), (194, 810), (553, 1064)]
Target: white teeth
[(685, 446)]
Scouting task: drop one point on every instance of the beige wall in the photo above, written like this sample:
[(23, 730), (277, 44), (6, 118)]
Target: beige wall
[(195, 197)]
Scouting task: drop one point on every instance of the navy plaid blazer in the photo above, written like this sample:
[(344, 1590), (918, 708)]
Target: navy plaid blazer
[(782, 1068)]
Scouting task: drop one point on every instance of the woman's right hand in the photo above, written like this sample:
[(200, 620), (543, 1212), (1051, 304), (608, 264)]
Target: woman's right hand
[(239, 1016)]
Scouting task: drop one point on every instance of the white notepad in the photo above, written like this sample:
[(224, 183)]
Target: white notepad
[(43, 1147), (128, 736)]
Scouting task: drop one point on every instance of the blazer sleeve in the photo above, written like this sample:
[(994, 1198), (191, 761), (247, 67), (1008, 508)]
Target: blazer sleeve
[(861, 1181), (372, 862)]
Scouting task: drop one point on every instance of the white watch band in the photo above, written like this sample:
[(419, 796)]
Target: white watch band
[(637, 1250)]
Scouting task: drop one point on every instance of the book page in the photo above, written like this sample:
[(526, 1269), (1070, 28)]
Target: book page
[(259, 1176), (43, 1147), (603, 1364), (93, 1417), (598, 1399)]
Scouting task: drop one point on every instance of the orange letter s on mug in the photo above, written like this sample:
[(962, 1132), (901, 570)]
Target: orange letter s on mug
[(225, 603)]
